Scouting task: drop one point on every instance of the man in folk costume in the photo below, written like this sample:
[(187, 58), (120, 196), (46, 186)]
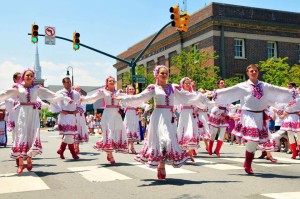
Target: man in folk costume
[(67, 125), (255, 96)]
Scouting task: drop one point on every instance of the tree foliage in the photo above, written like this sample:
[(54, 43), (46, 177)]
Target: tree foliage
[(279, 72), (191, 64)]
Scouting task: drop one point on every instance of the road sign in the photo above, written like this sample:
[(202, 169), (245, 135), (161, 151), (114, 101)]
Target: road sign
[(50, 35), (141, 80)]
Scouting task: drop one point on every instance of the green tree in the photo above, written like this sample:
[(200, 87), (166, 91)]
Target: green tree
[(190, 64), (294, 74), (275, 72)]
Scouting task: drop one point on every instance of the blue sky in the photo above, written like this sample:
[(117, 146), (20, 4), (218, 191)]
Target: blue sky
[(111, 26)]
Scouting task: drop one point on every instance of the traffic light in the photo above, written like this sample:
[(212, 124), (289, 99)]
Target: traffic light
[(34, 33), (175, 16), (76, 41), (184, 22)]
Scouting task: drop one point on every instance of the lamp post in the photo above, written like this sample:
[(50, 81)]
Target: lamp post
[(68, 74)]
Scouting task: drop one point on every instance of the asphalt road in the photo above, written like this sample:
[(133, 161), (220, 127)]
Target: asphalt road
[(93, 177)]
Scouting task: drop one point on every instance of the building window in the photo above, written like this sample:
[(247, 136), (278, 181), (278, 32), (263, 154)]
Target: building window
[(241, 77), (196, 46), (272, 50), (239, 48), (299, 53), (150, 66)]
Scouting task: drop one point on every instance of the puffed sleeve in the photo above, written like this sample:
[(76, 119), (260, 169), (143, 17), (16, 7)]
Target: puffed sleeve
[(93, 98), (185, 97), (6, 94), (228, 95), (46, 94), (139, 99), (280, 94)]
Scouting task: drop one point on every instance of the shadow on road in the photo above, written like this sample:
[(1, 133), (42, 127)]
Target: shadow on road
[(88, 153), (269, 175), (180, 182)]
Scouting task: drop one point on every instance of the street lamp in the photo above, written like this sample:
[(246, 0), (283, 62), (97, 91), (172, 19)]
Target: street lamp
[(68, 74)]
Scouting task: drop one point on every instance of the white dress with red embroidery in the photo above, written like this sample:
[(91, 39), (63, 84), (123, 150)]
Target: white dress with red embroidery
[(67, 124), (215, 119), (131, 123), (202, 119), (161, 143), (254, 100), (82, 134), (187, 130), (26, 140), (114, 134), (291, 122)]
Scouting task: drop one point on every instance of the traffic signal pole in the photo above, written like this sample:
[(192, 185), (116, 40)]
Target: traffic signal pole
[(133, 61)]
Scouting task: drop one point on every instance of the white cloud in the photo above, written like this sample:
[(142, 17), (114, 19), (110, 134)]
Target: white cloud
[(84, 73), (8, 68)]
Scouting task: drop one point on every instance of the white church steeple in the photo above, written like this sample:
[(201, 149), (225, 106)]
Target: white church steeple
[(37, 67)]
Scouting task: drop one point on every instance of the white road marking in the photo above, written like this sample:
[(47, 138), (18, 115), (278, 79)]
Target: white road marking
[(28, 181), (289, 195), (98, 174)]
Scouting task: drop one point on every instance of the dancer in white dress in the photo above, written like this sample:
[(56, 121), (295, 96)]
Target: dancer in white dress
[(131, 121), (255, 96), (114, 134), (218, 122), (291, 124), (27, 143), (82, 135), (67, 125), (187, 131), (160, 146)]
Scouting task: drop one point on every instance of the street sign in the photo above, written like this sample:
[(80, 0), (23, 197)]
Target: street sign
[(50, 35), (141, 80)]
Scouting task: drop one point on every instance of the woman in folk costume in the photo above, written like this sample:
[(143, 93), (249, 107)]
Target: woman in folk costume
[(3, 131), (187, 131), (131, 121), (237, 130), (114, 133), (82, 130), (26, 134), (160, 146), (254, 96), (202, 118), (218, 122), (291, 124)]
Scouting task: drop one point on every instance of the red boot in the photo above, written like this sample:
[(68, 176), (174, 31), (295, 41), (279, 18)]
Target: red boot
[(210, 146), (263, 155), (194, 152), (294, 150), (72, 150), (218, 148), (248, 162), (61, 150)]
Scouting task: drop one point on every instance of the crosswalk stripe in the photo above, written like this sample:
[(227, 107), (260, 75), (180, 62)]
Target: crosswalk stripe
[(289, 195), (169, 169), (29, 181), (263, 162), (215, 165), (99, 174)]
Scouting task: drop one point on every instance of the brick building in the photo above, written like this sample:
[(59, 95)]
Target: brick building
[(239, 35)]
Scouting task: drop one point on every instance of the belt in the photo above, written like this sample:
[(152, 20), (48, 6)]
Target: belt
[(187, 107), (222, 108), (27, 103), (293, 112), (255, 111), (164, 106), (112, 106), (69, 112), (131, 108)]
